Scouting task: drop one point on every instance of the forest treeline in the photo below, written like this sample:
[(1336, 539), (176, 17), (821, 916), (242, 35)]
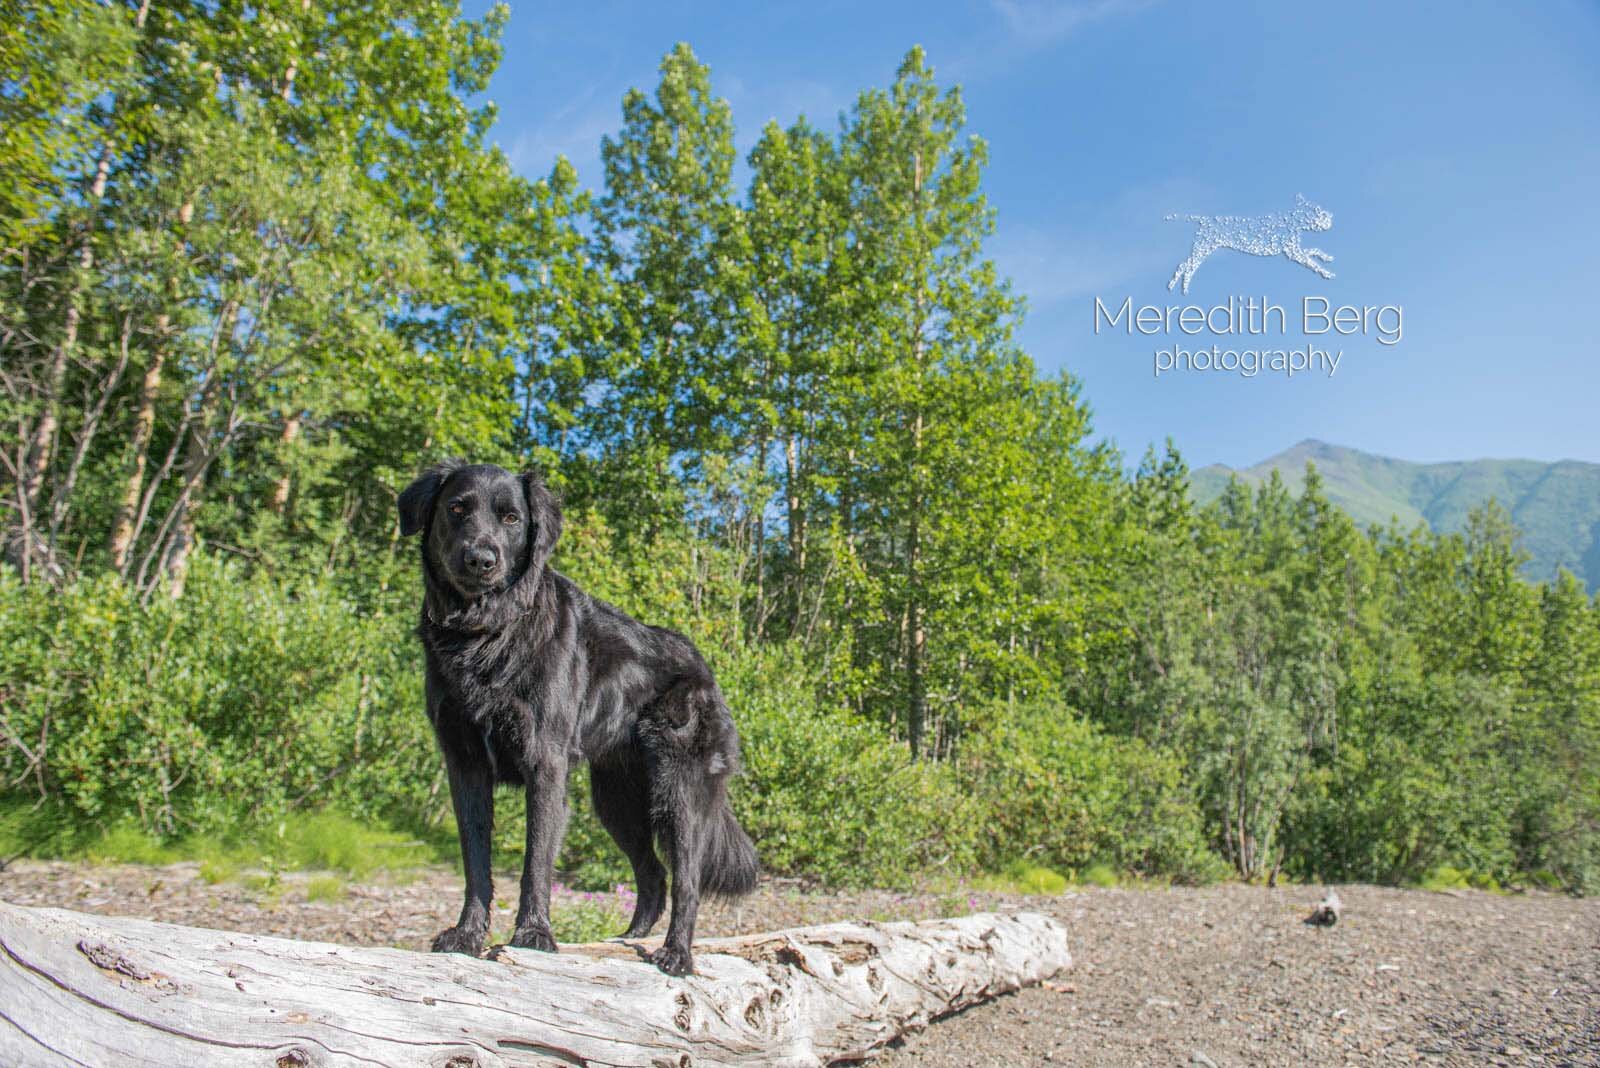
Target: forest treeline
[(261, 262)]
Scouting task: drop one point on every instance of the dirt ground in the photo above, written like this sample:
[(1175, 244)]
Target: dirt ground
[(1226, 975)]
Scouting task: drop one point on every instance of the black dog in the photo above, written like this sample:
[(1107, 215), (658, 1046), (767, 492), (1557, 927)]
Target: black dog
[(527, 673)]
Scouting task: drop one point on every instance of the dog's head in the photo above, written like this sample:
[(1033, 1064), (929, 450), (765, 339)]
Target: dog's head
[(1313, 216), (484, 529)]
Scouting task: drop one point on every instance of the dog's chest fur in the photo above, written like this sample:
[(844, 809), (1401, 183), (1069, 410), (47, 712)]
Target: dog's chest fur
[(492, 684)]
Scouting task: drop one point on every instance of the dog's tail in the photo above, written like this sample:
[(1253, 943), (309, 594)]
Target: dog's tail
[(728, 865), (1183, 218)]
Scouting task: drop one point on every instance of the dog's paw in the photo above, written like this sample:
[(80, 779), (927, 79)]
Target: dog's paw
[(538, 938), (672, 960), (638, 931), (459, 940)]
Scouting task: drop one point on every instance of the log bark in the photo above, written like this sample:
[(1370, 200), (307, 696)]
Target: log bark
[(94, 990)]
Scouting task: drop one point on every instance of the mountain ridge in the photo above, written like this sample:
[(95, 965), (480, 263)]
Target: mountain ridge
[(1555, 504)]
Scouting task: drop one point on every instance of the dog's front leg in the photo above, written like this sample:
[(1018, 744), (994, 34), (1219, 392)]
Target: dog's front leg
[(472, 795), (547, 821)]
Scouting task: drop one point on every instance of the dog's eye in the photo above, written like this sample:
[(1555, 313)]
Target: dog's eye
[(511, 519), (457, 508)]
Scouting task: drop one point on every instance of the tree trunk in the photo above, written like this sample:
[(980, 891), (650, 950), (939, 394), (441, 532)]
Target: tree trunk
[(92, 990), (916, 651), (916, 681), (42, 441), (197, 458), (87, 430), (44, 433), (199, 450), (144, 422), (280, 489)]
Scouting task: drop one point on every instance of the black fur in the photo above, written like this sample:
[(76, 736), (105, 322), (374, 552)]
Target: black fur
[(526, 674)]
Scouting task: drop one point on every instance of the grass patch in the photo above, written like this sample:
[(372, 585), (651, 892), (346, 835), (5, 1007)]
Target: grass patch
[(1032, 879), (1101, 875), (1444, 877), (1545, 880), (330, 841), (268, 886), (318, 841), (579, 916), (1020, 877), (325, 888), (125, 844), (214, 871)]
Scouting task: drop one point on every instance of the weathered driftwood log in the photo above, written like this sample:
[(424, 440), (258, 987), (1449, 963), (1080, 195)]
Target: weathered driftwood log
[(97, 990)]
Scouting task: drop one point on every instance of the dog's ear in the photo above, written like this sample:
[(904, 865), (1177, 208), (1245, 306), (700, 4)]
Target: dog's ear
[(416, 500), (545, 515)]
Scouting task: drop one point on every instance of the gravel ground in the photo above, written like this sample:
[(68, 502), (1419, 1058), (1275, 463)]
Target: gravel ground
[(1226, 975)]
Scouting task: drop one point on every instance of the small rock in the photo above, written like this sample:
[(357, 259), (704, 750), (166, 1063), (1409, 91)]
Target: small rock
[(1202, 1060), (1326, 914)]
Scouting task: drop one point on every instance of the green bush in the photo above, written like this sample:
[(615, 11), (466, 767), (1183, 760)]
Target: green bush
[(1056, 790), (1418, 786), (830, 796), (238, 704), (252, 722)]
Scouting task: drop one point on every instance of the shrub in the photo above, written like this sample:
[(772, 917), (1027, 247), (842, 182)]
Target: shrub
[(255, 724), (828, 795), (234, 706), (1058, 791)]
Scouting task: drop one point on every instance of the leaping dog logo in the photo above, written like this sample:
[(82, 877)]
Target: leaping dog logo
[(1261, 235)]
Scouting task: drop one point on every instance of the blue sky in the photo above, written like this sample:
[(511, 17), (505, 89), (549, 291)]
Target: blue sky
[(1456, 144)]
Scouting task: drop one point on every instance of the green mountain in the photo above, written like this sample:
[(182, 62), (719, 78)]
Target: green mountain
[(1555, 505)]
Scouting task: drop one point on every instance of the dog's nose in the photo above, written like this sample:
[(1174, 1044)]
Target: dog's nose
[(480, 558)]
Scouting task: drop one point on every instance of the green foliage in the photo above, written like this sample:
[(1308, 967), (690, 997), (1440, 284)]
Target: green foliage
[(258, 263), (325, 888), (1059, 791), (1031, 879), (828, 795), (229, 708), (1101, 875), (587, 916)]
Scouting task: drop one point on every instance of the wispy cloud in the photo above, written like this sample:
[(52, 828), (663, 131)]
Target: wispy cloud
[(1049, 270), (1023, 28), (1041, 22), (572, 130), (575, 128), (786, 101), (1123, 242)]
